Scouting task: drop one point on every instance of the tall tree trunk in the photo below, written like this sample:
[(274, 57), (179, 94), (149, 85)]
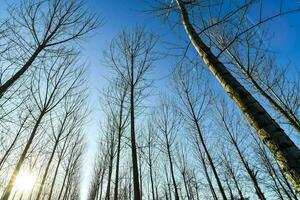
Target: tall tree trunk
[(118, 151), (206, 172), (140, 173), (185, 184), (250, 172), (60, 158), (110, 168), (66, 175), (172, 171), (210, 161), (41, 187), (8, 151), (150, 171), (237, 186), (252, 175), (284, 150), (16, 171), (136, 186)]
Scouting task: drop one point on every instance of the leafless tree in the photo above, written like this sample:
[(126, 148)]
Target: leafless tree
[(131, 56), (194, 98), (48, 26), (167, 121), (54, 81), (233, 129), (197, 26)]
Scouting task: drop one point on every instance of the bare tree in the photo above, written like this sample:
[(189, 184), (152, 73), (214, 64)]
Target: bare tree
[(258, 65), (48, 26), (70, 123), (195, 96), (131, 56), (151, 157), (49, 86), (233, 129), (167, 121), (286, 153)]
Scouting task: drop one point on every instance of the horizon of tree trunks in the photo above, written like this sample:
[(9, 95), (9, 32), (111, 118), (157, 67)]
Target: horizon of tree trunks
[(193, 142)]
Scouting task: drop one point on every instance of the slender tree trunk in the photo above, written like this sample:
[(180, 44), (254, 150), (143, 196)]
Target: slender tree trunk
[(284, 150), (277, 187), (67, 186), (168, 183), (117, 169), (212, 165), (272, 172), (41, 187), (230, 190), (250, 172), (237, 187), (5, 156), (259, 193), (101, 184), (118, 152), (56, 170), (136, 186), (185, 185), (151, 172), (110, 168), (172, 171), (16, 171), (206, 172), (141, 181), (65, 176)]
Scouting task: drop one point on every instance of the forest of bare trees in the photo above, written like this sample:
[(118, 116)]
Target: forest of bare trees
[(224, 124)]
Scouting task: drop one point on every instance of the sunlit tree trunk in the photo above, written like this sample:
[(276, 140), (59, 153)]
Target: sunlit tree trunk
[(285, 152), (16, 171)]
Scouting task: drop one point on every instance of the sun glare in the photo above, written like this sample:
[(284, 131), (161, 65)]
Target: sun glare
[(24, 181)]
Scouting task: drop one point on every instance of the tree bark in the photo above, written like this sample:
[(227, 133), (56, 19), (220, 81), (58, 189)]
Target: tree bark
[(20, 72), (282, 147)]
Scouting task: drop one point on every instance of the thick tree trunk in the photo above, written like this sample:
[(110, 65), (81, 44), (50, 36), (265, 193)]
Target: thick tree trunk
[(20, 72), (284, 150)]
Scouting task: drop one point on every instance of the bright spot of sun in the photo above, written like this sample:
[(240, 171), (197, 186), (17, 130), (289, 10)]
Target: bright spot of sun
[(24, 181)]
